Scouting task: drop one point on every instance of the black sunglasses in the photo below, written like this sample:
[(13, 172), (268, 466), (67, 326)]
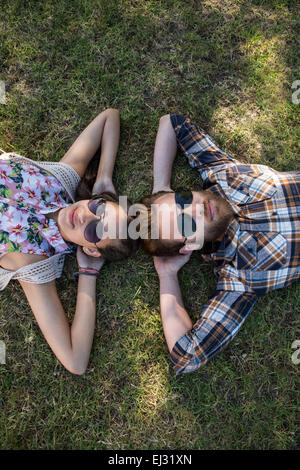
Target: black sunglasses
[(93, 232), (186, 224)]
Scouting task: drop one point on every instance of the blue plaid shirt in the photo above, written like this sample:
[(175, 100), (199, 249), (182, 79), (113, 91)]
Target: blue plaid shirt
[(260, 251)]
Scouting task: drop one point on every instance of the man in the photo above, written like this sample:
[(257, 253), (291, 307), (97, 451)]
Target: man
[(251, 219)]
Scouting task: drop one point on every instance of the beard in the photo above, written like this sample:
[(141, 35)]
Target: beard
[(222, 218)]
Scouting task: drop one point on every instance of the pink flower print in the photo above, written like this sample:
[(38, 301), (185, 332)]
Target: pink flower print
[(19, 197), (18, 215), (33, 170), (55, 237), (17, 233), (48, 182), (4, 175), (13, 216), (44, 184), (50, 204), (57, 197), (31, 196), (31, 181), (7, 219), (14, 222), (44, 224)]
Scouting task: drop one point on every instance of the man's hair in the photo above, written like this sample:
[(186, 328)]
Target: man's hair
[(160, 247), (120, 248), (155, 247)]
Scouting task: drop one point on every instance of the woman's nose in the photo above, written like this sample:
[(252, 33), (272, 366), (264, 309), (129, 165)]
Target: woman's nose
[(88, 217)]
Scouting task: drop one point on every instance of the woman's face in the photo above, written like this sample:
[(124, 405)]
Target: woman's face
[(73, 220)]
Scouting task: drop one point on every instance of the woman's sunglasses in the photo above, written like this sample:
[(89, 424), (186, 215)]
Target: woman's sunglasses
[(93, 232), (185, 223)]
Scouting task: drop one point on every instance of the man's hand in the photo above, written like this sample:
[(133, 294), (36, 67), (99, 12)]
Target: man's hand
[(170, 265), (161, 188)]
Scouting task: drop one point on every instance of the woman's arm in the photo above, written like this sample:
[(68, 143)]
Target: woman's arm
[(104, 130), (71, 345)]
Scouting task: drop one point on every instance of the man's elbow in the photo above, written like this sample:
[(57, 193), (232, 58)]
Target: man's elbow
[(184, 361), (187, 367), (164, 118)]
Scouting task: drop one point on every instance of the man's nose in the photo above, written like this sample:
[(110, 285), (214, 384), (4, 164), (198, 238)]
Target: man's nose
[(194, 210)]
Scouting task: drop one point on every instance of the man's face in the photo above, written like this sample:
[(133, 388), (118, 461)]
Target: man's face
[(211, 215)]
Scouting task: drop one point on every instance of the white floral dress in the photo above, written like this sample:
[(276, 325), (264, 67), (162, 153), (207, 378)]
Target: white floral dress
[(27, 193)]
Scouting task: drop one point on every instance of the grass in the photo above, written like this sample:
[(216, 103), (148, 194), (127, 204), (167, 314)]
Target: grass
[(229, 65)]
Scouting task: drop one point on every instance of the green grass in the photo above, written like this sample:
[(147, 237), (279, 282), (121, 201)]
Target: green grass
[(230, 66)]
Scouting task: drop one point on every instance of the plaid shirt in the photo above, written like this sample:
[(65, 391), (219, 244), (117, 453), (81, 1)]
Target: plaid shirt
[(259, 252)]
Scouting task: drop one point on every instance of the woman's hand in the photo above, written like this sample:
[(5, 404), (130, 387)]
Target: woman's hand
[(86, 261), (102, 186), (170, 265)]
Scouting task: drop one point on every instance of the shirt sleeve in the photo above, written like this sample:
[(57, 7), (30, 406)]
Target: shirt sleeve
[(221, 319), (199, 148)]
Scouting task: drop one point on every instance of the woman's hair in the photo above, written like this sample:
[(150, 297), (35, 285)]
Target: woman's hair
[(119, 248), (160, 247)]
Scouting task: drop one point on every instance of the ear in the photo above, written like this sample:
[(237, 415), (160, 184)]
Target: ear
[(220, 237), (189, 248), (91, 252)]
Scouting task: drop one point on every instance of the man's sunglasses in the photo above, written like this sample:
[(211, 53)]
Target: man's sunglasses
[(185, 223), (93, 232)]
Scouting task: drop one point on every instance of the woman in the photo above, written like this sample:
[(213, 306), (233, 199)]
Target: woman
[(41, 222)]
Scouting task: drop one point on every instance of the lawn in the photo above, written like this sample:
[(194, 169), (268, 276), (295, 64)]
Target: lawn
[(229, 65)]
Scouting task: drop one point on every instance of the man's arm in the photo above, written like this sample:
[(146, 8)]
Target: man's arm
[(164, 155), (220, 319), (201, 151), (199, 148)]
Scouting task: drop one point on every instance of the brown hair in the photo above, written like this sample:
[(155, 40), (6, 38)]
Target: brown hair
[(159, 247), (120, 248), (155, 247)]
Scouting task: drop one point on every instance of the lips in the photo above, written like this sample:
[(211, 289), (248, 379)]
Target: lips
[(71, 217), (211, 210)]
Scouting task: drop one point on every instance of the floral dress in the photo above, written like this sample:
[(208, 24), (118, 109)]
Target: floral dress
[(27, 193)]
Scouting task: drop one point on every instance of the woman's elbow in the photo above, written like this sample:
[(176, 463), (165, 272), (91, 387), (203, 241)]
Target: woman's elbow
[(76, 369), (112, 111)]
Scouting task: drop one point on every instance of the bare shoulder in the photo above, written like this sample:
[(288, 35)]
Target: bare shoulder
[(14, 261)]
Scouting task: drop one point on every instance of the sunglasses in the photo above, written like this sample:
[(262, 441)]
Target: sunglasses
[(93, 232), (185, 223)]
